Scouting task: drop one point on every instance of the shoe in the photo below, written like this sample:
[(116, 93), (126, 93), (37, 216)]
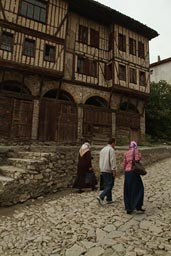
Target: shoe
[(109, 202), (129, 212), (80, 191), (140, 209), (99, 200)]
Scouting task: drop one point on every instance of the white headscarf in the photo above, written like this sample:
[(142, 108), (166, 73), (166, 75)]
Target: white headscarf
[(84, 148), (133, 144)]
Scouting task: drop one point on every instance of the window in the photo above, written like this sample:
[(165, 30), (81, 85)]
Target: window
[(108, 72), (80, 65), (111, 41), (7, 41), (142, 78), (29, 47), (133, 75), (94, 38), (122, 72), (49, 53), (132, 46), (83, 34), (86, 66), (141, 53), (34, 9), (122, 42)]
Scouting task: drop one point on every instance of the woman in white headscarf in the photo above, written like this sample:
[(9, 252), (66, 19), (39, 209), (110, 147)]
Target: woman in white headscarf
[(85, 176), (133, 185)]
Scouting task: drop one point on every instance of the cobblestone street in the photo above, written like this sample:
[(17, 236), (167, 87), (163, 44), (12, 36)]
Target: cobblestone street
[(75, 224)]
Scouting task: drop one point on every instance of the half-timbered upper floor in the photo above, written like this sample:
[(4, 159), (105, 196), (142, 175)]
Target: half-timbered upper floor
[(83, 42), (32, 35)]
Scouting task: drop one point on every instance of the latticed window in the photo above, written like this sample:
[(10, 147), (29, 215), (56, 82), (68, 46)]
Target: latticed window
[(122, 72), (83, 34), (122, 42), (29, 47), (49, 53), (141, 52), (86, 66), (94, 38), (132, 46), (142, 78), (6, 41), (133, 75), (34, 9)]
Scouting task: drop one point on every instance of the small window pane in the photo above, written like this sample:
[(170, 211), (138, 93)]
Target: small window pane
[(122, 72), (29, 48), (33, 9), (7, 41), (49, 53)]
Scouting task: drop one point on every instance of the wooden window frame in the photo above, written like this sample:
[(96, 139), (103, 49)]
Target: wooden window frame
[(30, 9), (27, 50), (133, 75), (110, 45), (94, 38), (142, 78), (83, 34), (141, 50), (122, 42), (132, 46), (80, 65), (122, 72), (92, 68), (7, 45), (50, 57), (86, 66), (108, 71)]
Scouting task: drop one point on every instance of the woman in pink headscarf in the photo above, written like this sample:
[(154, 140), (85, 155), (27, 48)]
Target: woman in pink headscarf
[(133, 185)]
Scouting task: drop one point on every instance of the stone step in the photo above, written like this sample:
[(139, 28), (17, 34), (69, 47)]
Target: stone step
[(33, 155), (4, 180), (11, 171), (26, 163)]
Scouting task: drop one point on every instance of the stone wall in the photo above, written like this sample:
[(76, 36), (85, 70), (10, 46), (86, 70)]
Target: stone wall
[(31, 174)]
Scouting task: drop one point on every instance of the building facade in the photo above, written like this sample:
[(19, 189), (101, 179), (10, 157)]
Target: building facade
[(71, 71), (160, 70)]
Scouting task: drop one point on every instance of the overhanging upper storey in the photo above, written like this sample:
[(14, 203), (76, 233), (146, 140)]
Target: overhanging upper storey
[(103, 14)]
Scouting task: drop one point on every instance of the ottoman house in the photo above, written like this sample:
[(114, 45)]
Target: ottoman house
[(71, 69)]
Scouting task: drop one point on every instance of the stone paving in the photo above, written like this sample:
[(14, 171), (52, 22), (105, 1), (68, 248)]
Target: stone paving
[(75, 224)]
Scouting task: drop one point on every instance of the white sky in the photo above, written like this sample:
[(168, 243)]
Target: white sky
[(156, 14)]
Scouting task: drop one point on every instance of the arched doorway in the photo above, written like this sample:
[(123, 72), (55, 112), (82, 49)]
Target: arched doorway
[(16, 111), (128, 121), (97, 120), (58, 117)]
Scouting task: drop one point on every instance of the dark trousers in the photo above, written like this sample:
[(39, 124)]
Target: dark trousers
[(108, 181)]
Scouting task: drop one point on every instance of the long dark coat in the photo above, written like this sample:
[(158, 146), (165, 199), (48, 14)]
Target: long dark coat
[(85, 177)]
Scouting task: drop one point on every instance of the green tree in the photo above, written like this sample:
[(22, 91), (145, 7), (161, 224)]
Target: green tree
[(158, 111)]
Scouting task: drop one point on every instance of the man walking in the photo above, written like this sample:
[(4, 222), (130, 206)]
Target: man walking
[(107, 164)]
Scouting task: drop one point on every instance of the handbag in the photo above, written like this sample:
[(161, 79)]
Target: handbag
[(138, 167)]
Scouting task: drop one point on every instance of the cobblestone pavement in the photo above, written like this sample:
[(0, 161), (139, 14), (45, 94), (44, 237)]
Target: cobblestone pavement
[(75, 224)]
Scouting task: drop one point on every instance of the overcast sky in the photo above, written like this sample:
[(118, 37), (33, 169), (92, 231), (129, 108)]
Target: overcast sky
[(156, 14)]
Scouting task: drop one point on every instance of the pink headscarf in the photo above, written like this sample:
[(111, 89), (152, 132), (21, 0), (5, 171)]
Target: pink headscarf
[(133, 144)]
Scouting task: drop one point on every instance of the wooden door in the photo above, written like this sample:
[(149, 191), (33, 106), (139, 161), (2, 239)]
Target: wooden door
[(58, 121), (97, 123), (6, 105), (15, 118), (21, 125)]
